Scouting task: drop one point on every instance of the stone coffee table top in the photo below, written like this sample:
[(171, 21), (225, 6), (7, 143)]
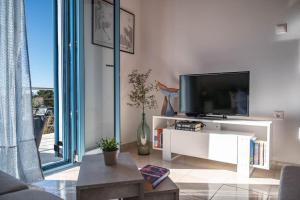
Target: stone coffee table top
[(94, 173)]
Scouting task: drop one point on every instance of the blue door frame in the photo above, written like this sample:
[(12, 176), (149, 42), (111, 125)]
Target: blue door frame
[(75, 64), (77, 78), (56, 88), (80, 78), (74, 79), (117, 111)]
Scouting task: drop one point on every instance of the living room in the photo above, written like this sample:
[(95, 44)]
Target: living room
[(131, 72)]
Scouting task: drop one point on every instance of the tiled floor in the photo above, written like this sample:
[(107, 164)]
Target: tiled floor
[(196, 178), (46, 149)]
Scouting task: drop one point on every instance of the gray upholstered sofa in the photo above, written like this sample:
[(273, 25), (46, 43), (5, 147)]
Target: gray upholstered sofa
[(290, 183), (13, 189)]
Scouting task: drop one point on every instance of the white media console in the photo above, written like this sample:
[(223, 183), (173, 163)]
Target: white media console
[(220, 140)]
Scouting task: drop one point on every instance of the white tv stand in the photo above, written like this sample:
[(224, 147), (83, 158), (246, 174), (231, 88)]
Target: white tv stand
[(220, 140)]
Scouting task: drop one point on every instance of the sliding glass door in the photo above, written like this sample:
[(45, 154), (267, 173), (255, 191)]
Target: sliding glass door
[(90, 78), (76, 80), (102, 65), (41, 20)]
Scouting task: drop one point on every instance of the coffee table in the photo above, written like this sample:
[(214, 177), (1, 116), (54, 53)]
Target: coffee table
[(166, 190), (98, 181)]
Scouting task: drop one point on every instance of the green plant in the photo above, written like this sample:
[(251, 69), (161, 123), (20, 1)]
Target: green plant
[(108, 144), (43, 97), (141, 94)]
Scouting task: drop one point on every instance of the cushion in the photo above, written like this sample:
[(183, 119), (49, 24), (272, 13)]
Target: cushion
[(29, 195), (10, 184), (290, 183)]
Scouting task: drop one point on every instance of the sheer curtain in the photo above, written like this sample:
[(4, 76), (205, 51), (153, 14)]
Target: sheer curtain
[(18, 152)]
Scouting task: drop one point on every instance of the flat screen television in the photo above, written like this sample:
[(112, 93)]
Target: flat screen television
[(215, 94)]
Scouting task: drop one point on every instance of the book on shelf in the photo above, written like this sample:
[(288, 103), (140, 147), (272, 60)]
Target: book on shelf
[(252, 150), (258, 152), (154, 175), (155, 140), (158, 138), (261, 153)]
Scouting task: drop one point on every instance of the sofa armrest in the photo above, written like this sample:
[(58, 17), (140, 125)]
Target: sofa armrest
[(29, 195), (10, 184), (290, 183)]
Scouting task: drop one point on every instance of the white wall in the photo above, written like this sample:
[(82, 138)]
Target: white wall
[(99, 88), (130, 117), (202, 36)]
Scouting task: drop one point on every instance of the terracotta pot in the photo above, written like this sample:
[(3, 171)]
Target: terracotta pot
[(110, 157)]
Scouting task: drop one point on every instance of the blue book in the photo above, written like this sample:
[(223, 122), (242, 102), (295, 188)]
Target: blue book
[(252, 152)]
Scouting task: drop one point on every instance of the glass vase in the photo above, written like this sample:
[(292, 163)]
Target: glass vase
[(143, 137)]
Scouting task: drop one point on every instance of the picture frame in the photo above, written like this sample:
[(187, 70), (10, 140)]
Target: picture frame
[(103, 26)]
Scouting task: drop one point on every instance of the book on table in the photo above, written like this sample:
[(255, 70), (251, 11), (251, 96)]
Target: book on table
[(154, 175)]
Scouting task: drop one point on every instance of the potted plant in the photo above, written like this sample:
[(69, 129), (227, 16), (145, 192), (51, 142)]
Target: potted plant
[(110, 150), (141, 96)]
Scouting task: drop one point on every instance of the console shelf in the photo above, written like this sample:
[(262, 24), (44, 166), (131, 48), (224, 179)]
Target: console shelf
[(221, 140)]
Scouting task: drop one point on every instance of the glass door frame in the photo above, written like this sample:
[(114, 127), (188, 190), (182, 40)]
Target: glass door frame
[(57, 88), (71, 123), (117, 103), (76, 33), (73, 79)]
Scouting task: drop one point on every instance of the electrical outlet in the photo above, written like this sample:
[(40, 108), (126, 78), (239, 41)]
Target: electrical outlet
[(278, 114)]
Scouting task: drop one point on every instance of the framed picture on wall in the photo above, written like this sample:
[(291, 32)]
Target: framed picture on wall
[(103, 26)]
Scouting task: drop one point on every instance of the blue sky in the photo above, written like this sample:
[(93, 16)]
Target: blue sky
[(39, 16)]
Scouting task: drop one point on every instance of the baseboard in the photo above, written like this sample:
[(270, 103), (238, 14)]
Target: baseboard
[(280, 164), (130, 145), (125, 147)]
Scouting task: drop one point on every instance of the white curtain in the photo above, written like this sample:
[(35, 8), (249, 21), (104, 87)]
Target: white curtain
[(18, 152)]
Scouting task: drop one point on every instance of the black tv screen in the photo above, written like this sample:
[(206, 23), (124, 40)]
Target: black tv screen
[(215, 94)]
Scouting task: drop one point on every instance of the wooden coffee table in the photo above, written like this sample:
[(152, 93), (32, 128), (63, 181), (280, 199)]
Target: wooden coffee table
[(98, 181), (166, 190)]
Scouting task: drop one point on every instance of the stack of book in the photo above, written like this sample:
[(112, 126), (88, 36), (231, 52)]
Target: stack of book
[(158, 138), (258, 151), (188, 125), (154, 175)]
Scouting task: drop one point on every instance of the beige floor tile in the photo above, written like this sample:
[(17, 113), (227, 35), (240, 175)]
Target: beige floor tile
[(68, 174), (235, 193), (261, 173), (201, 190), (52, 185), (207, 176), (196, 178), (264, 189), (184, 196), (274, 191), (67, 193), (273, 197)]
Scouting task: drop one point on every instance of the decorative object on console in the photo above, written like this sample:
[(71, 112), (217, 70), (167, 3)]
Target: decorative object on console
[(103, 25), (167, 109), (141, 96), (154, 175), (110, 150)]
